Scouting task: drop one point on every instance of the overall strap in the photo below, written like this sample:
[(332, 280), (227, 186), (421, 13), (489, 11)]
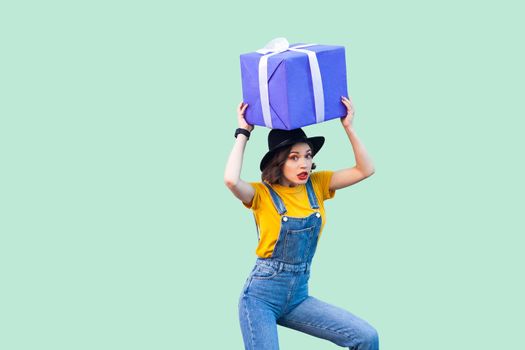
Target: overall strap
[(311, 194), (277, 201)]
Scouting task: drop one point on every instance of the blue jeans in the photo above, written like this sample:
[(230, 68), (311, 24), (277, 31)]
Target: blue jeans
[(276, 293)]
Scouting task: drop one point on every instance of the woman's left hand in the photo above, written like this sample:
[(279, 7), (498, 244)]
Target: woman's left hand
[(348, 120)]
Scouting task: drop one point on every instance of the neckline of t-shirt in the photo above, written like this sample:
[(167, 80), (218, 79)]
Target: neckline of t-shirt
[(286, 189)]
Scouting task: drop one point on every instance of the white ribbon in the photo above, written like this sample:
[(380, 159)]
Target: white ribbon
[(275, 47)]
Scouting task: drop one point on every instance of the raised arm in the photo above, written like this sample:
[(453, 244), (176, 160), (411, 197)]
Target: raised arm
[(242, 190), (364, 166)]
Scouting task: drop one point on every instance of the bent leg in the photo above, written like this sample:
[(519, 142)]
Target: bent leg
[(258, 324), (322, 320)]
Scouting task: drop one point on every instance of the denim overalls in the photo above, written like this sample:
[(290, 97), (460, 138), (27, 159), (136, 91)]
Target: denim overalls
[(276, 291)]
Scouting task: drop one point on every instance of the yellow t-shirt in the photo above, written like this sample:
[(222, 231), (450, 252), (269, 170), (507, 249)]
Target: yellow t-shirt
[(295, 200)]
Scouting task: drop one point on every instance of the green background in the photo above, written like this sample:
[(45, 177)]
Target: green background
[(117, 118)]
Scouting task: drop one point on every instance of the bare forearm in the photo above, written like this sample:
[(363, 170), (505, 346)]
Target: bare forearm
[(232, 172), (362, 159)]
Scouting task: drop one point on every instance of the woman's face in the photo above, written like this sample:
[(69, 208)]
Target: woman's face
[(297, 167)]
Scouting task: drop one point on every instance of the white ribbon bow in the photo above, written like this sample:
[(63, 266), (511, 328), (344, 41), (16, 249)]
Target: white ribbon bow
[(275, 47)]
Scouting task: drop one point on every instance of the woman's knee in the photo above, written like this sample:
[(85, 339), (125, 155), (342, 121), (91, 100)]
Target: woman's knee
[(368, 339)]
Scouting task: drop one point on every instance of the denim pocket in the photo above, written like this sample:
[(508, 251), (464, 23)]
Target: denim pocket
[(264, 272), (297, 245)]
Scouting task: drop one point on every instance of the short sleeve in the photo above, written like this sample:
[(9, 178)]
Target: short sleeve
[(322, 179), (254, 204)]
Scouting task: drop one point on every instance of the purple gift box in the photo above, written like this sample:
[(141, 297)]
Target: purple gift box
[(291, 86)]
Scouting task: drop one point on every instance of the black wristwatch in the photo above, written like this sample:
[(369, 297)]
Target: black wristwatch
[(242, 131)]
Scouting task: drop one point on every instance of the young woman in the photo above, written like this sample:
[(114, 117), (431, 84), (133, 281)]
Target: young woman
[(289, 212)]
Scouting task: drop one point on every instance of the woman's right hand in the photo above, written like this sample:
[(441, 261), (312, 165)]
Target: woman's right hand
[(240, 117)]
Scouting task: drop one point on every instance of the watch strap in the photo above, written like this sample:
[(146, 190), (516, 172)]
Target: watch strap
[(242, 131)]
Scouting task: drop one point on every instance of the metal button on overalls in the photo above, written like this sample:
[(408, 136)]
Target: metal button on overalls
[(276, 292), (283, 277)]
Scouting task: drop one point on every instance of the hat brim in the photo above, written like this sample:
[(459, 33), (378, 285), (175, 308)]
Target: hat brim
[(316, 142)]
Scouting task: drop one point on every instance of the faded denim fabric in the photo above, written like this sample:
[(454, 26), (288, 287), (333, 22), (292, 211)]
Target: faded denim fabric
[(276, 291)]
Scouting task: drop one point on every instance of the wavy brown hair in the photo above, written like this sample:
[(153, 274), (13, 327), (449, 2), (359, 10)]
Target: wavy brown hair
[(273, 171)]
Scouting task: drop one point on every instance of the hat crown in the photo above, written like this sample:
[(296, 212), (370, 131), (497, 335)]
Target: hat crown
[(276, 137)]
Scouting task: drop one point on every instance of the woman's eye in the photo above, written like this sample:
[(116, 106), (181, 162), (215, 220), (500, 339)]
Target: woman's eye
[(308, 156)]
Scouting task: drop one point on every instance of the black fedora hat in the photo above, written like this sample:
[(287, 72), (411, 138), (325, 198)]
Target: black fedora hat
[(277, 139)]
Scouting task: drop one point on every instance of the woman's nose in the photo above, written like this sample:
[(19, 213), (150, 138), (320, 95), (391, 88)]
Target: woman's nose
[(303, 163)]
